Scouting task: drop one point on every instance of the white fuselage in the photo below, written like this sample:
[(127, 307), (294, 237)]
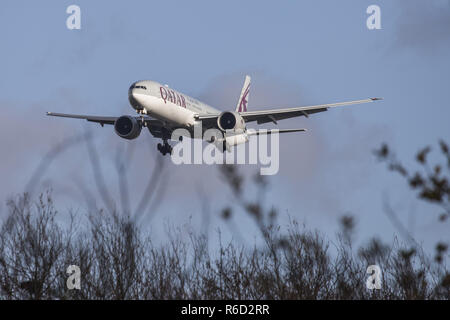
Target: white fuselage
[(168, 105)]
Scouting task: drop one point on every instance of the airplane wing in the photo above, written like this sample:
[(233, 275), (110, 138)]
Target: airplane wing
[(154, 126), (104, 120), (273, 115), (98, 119)]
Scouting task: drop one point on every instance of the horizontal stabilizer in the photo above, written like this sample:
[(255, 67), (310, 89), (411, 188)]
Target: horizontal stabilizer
[(275, 131)]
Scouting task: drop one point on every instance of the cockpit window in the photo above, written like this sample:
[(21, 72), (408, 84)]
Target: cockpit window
[(139, 87)]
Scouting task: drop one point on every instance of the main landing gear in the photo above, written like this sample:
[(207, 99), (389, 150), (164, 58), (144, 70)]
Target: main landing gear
[(165, 148)]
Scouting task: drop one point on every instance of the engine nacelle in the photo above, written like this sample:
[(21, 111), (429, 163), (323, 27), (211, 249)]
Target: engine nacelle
[(231, 121), (127, 127), (236, 139), (229, 141)]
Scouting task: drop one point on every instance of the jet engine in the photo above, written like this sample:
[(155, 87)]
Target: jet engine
[(231, 121), (229, 141), (127, 127), (234, 140)]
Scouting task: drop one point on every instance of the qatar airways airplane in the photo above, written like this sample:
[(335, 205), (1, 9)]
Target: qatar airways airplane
[(162, 110)]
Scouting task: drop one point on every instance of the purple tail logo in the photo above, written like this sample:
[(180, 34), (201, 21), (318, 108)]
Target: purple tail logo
[(244, 101)]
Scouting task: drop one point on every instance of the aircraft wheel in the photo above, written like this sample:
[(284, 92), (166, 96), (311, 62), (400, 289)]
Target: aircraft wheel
[(164, 148)]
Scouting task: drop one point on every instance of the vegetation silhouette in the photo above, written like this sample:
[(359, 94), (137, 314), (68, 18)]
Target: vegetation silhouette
[(118, 260)]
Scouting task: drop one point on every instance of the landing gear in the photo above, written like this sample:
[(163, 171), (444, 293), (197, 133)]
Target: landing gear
[(165, 148)]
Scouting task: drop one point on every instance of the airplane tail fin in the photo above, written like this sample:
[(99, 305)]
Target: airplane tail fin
[(243, 99)]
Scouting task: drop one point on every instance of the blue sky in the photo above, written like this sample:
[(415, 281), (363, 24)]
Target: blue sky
[(298, 52)]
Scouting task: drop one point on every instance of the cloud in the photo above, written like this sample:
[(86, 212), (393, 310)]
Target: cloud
[(27, 135), (423, 25), (319, 168), (314, 180)]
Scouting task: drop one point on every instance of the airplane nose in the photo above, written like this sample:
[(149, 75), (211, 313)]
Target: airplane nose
[(132, 99)]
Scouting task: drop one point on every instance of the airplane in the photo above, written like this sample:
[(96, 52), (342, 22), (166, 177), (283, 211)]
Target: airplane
[(162, 110)]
